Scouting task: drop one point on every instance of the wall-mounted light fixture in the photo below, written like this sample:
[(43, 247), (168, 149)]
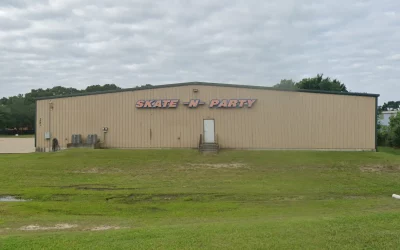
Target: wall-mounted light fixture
[(195, 90)]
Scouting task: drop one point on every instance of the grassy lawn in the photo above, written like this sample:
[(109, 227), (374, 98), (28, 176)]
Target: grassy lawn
[(179, 199)]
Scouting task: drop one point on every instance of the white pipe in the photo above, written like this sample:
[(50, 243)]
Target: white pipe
[(396, 196)]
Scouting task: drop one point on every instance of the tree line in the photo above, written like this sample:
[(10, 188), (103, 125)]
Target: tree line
[(19, 111), (318, 82)]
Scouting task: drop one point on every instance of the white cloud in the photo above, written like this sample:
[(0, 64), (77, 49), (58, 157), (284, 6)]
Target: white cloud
[(384, 67), (78, 43), (395, 57)]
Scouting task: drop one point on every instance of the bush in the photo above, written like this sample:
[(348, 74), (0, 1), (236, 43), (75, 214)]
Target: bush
[(394, 131), (383, 136)]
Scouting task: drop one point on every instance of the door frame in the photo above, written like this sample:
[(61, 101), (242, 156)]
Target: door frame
[(204, 134)]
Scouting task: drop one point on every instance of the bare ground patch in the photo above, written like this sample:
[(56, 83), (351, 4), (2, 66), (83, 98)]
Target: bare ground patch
[(103, 228), (10, 198), (64, 227), (2, 230), (380, 168), (215, 166), (98, 171), (56, 227)]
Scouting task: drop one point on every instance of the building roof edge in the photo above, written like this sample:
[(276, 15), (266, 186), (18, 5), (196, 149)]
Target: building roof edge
[(210, 84)]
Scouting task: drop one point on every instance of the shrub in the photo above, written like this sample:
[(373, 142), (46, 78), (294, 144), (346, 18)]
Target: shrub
[(383, 136), (394, 131)]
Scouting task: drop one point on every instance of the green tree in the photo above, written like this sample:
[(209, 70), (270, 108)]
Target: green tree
[(286, 84), (3, 101), (99, 88), (55, 91), (321, 83), (383, 130), (5, 116), (394, 131), (391, 105), (22, 115)]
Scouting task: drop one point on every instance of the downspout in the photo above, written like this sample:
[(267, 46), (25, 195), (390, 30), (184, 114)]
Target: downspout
[(50, 107)]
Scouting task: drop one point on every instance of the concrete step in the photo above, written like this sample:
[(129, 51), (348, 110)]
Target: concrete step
[(210, 145), (209, 148)]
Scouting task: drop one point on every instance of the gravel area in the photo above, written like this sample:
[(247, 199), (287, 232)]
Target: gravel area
[(17, 145)]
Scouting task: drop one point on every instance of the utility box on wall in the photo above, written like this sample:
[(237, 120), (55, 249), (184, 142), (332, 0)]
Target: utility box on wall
[(47, 135)]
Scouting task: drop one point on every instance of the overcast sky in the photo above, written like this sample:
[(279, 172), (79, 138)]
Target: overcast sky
[(76, 43)]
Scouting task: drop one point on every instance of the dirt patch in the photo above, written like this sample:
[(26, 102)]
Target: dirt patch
[(56, 227), (380, 168), (103, 228), (10, 199), (98, 171), (4, 230), (215, 166), (354, 197)]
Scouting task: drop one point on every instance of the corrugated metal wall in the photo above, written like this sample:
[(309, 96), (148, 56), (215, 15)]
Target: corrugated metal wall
[(278, 120)]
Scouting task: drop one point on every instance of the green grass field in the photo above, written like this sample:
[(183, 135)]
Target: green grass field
[(180, 199)]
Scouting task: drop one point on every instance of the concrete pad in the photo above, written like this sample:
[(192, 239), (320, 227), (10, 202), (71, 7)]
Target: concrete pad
[(17, 145)]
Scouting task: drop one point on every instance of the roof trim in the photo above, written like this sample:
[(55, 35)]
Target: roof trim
[(211, 84)]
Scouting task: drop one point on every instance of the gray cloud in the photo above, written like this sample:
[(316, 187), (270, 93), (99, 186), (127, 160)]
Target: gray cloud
[(78, 43)]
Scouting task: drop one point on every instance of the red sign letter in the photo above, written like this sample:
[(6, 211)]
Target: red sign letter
[(194, 103), (157, 104), (139, 104), (173, 103), (148, 104), (232, 103), (223, 104), (213, 103), (241, 103), (250, 102), (166, 103)]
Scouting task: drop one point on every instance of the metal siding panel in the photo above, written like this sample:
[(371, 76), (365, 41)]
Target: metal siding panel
[(120, 112), (67, 121)]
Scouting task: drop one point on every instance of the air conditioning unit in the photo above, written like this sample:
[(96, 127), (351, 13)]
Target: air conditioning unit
[(76, 139), (91, 139)]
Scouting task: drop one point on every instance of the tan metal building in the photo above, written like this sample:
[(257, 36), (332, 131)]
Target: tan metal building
[(234, 116)]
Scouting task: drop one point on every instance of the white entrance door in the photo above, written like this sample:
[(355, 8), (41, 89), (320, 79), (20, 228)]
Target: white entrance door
[(209, 133)]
